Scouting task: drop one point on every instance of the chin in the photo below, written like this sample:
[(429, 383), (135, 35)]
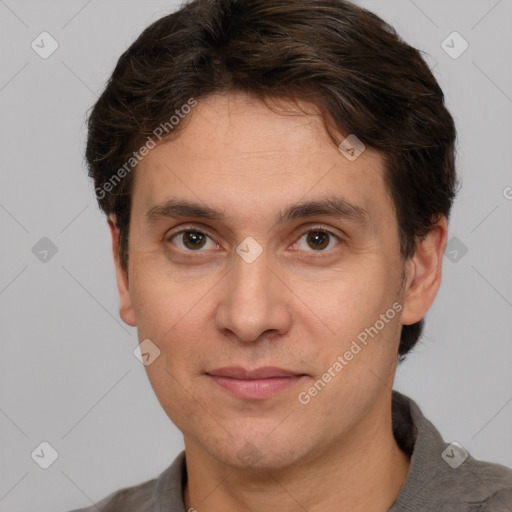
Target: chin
[(257, 451)]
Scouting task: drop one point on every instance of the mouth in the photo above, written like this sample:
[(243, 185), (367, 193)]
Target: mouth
[(258, 384)]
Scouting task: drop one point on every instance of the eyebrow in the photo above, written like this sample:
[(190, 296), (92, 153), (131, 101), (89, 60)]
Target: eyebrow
[(333, 206)]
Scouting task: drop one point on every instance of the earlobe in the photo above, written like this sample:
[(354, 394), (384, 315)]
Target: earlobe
[(126, 310), (424, 272)]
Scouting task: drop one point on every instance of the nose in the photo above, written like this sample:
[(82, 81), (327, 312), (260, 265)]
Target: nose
[(255, 302)]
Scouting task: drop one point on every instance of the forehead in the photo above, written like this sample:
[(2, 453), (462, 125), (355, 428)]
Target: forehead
[(234, 149)]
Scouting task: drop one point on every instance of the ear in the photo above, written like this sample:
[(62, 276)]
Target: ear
[(423, 271), (125, 301)]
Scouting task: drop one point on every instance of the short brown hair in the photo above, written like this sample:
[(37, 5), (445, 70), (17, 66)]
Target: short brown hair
[(344, 59)]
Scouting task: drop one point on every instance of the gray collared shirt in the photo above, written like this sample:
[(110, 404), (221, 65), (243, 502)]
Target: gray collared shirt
[(442, 477)]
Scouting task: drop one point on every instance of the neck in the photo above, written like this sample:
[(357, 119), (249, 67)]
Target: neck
[(362, 472)]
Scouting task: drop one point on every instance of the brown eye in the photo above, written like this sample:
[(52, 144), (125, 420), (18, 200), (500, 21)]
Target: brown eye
[(316, 240), (192, 241)]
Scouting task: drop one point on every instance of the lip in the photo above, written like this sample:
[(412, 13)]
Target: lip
[(258, 384)]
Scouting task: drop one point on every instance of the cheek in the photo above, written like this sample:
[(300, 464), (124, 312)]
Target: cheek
[(359, 317), (177, 396), (174, 316), (351, 299), (158, 301)]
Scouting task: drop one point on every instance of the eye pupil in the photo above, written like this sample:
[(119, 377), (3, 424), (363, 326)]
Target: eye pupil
[(319, 239), (195, 239)]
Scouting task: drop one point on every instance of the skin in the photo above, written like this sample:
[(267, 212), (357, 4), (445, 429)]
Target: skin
[(296, 307)]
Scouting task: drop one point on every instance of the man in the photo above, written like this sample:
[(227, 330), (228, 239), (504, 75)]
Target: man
[(278, 176)]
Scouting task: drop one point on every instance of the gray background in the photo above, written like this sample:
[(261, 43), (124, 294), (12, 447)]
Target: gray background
[(68, 373)]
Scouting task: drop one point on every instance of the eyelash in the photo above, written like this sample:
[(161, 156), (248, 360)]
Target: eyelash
[(314, 229)]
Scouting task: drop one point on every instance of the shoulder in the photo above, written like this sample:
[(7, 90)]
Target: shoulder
[(484, 485), (162, 493), (481, 486), (138, 498), (444, 477)]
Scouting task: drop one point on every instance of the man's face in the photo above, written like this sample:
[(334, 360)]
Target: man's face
[(264, 284)]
